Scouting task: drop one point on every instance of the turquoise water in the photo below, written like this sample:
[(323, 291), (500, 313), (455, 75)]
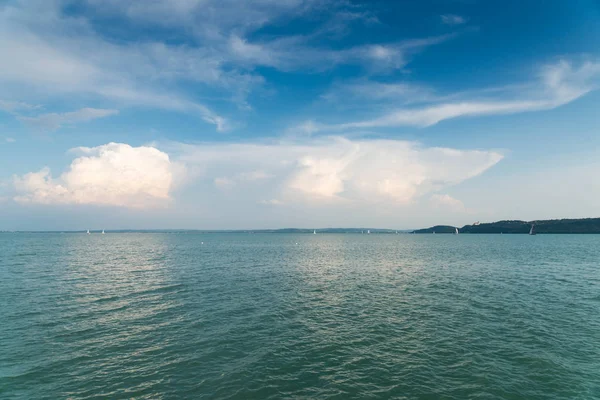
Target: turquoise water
[(161, 316)]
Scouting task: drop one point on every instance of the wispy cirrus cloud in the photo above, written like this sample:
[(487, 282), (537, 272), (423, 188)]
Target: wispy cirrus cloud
[(359, 93), (556, 84), (14, 107), (53, 121), (50, 57), (57, 67), (214, 19), (453, 19), (295, 53)]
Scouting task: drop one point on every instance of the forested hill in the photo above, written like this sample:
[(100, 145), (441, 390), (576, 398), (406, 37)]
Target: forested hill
[(585, 225)]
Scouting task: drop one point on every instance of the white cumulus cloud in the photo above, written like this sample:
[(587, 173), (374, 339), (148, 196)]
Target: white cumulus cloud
[(333, 169), (114, 174)]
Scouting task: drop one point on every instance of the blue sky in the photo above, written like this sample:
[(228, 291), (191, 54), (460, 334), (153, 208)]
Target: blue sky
[(232, 115)]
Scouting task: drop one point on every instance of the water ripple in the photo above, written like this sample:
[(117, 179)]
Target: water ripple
[(151, 316)]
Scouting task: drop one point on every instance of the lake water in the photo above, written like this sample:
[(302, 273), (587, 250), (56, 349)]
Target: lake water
[(299, 316)]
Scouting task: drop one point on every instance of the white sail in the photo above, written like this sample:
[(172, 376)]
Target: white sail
[(88, 231), (369, 231), (456, 231), (103, 231), (315, 232), (531, 230)]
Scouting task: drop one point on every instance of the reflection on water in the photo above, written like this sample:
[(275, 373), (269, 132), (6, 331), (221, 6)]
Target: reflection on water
[(302, 316)]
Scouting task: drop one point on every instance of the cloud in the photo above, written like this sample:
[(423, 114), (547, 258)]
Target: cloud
[(224, 182), (314, 176), (271, 202), (557, 84), (357, 93), (166, 102), (242, 177), (210, 19), (446, 201), (50, 58), (53, 121), (114, 174), (295, 53), (10, 140), (333, 170), (453, 19), (15, 106)]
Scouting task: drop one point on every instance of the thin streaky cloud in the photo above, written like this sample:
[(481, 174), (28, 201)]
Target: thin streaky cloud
[(453, 19), (294, 53), (53, 121), (559, 84), (49, 53), (17, 106)]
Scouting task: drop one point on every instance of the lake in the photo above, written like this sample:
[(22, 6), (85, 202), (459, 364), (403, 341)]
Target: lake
[(299, 316)]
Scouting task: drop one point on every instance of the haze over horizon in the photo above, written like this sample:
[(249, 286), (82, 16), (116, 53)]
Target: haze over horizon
[(205, 114)]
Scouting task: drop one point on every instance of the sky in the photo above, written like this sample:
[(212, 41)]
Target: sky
[(227, 114)]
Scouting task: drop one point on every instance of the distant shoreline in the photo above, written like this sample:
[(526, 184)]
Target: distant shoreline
[(311, 231), (555, 226)]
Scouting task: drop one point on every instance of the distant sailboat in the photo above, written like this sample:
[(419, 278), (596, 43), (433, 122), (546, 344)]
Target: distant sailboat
[(88, 231), (103, 231), (532, 231), (456, 231), (368, 232), (315, 232)]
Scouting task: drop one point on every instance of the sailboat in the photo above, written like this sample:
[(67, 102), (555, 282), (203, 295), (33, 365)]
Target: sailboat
[(368, 232), (532, 231), (88, 231), (456, 231), (315, 232), (103, 231)]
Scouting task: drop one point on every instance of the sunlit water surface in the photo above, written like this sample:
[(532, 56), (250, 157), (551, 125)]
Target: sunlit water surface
[(270, 316)]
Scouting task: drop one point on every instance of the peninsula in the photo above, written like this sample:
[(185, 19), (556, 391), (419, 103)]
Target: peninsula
[(583, 225)]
